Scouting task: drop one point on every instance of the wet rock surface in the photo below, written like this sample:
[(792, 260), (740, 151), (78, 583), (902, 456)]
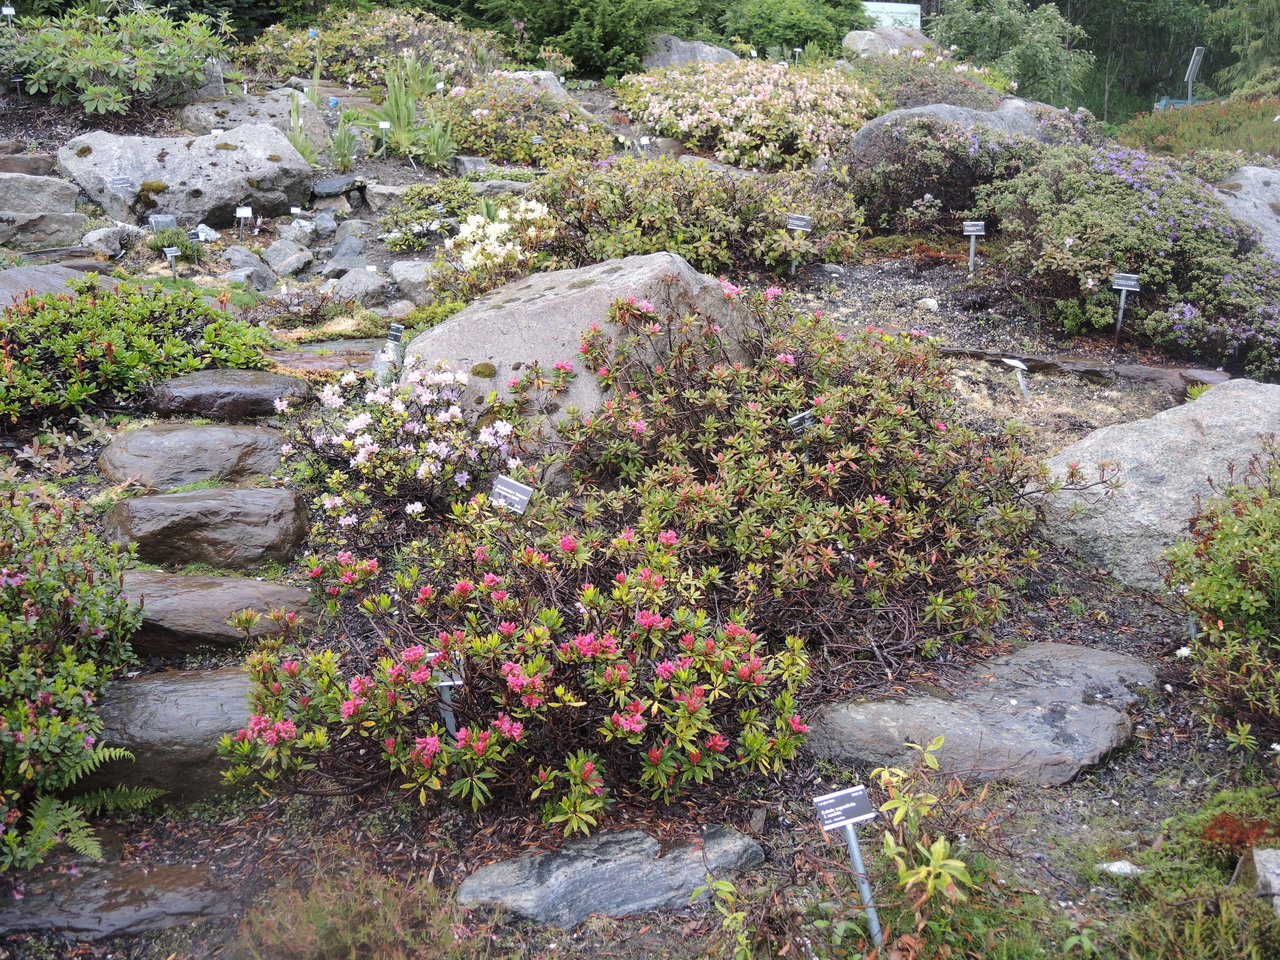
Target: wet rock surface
[(167, 455), (611, 873), (227, 528), (183, 613), (1040, 715), (226, 394)]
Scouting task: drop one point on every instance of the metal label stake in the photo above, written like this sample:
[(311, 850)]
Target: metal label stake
[(799, 224), (1125, 283), (840, 811), (1018, 368), (973, 229)]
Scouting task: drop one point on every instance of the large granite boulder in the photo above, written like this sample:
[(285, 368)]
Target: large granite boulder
[(611, 873), (171, 723), (196, 179), (38, 211), (541, 320), (668, 51), (273, 108), (17, 283), (885, 40), (1165, 463), (226, 394), (1039, 715), (167, 455), (181, 614), (1252, 194), (227, 528)]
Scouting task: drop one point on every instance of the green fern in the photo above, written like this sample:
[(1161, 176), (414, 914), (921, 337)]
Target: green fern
[(117, 799), (89, 761), (51, 821)]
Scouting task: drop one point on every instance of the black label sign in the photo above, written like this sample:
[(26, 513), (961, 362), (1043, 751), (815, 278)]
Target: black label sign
[(844, 807), (1125, 281), (396, 332), (796, 221), (975, 228), (511, 494)]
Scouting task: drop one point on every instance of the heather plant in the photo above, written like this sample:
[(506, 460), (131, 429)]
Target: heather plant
[(1226, 573), (499, 118), (1082, 213), (1244, 126), (751, 113), (357, 47), (410, 219), (625, 206), (96, 345), (64, 633), (112, 64)]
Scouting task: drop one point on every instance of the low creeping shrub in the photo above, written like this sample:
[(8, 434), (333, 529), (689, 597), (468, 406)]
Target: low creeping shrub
[(499, 117), (1227, 574), (625, 206), (112, 65), (914, 78), (64, 632), (409, 219), (752, 114), (357, 47), (97, 345), (1209, 291), (1229, 126)]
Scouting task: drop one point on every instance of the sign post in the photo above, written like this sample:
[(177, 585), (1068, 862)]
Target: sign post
[(445, 686), (171, 253), (243, 214), (1124, 282), (973, 229), (1193, 68), (8, 12), (1018, 368), (840, 811), (799, 224), (383, 127)]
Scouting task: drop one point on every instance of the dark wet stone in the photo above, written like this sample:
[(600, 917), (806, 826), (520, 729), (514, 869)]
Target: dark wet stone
[(334, 356), (167, 455), (226, 394), (336, 186)]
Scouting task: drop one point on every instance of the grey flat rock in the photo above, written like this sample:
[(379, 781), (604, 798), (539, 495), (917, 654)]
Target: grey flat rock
[(167, 455), (182, 613), (18, 282), (1040, 715), (1252, 194), (666, 50), (613, 874), (226, 394)]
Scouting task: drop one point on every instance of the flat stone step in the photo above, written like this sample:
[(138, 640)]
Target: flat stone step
[(181, 614), (171, 723), (1040, 715), (227, 528), (113, 899), (167, 455), (334, 356), (17, 283), (226, 394)]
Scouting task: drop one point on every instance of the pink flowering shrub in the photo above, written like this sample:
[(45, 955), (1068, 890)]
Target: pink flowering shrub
[(752, 114), (586, 665), (65, 625)]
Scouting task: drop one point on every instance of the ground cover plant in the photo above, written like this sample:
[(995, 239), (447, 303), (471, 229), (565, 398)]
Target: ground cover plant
[(499, 118), (1226, 574), (1083, 212), (1229, 126), (65, 352), (357, 47), (627, 205), (751, 113), (64, 633), (110, 65), (913, 78)]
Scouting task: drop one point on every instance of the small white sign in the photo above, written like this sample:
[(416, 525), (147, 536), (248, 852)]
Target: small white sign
[(217, 131), (384, 124), (121, 182), (244, 213), (371, 268), (1016, 364), (975, 228), (295, 211), (7, 11), (535, 139), (440, 86), (511, 494), (172, 252), (645, 141)]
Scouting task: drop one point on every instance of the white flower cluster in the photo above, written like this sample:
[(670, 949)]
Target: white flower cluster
[(508, 239)]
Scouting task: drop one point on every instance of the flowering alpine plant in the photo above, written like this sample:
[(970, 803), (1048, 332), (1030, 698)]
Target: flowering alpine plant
[(752, 113), (567, 667)]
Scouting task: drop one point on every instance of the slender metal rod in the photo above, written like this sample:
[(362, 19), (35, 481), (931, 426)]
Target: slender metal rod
[(973, 251), (1124, 295), (864, 883)]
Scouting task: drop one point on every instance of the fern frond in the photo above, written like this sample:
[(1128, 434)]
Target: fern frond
[(117, 799), (91, 760)]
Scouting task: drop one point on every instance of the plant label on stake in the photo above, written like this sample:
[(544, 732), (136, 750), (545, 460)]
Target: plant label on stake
[(798, 223), (8, 14), (1125, 283), (121, 183), (445, 685), (535, 140), (797, 51), (840, 811), (17, 84), (440, 86), (172, 254), (383, 127), (511, 494), (295, 212), (973, 229), (802, 422), (1018, 368), (217, 131), (243, 214)]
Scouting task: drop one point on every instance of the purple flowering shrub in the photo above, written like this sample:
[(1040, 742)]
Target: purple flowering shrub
[(625, 206), (1209, 291), (64, 632)]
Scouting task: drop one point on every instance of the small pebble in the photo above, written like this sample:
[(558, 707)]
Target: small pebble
[(1121, 868), (928, 303)]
